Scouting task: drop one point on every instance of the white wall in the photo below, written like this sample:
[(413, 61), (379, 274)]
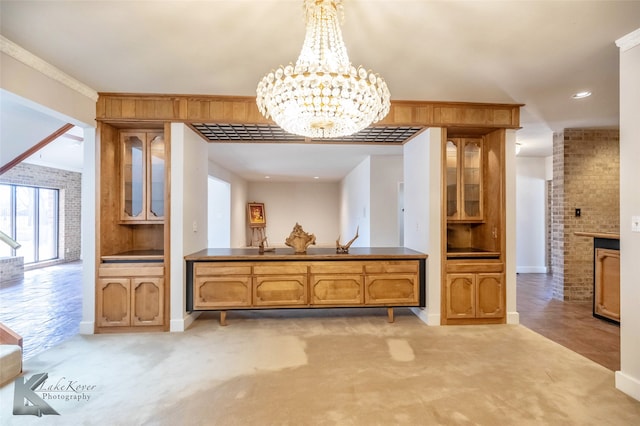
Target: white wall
[(238, 203), (218, 213), (386, 175), (510, 226), (314, 205), (88, 231), (355, 205), (423, 213), (530, 215), (628, 378), (188, 215)]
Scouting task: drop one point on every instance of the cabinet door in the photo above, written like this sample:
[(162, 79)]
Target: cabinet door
[(155, 176), (607, 283), (133, 176), (113, 302), (221, 291), (336, 289), (452, 179), (461, 296), (280, 290), (147, 296), (391, 289), (490, 296), (471, 182)]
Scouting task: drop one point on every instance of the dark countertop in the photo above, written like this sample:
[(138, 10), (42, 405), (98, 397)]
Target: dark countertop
[(313, 253), (157, 255), (609, 235)]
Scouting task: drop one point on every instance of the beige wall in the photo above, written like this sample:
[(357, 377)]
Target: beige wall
[(62, 101), (628, 378)]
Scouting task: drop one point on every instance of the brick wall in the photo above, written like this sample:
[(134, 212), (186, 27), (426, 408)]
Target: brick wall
[(547, 223), (11, 268), (557, 218), (587, 167), (69, 184)]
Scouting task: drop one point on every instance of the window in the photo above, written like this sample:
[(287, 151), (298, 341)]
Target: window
[(29, 215)]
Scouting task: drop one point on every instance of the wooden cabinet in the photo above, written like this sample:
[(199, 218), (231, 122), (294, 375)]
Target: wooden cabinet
[(142, 176), (463, 178), (473, 289), (132, 227), (224, 285), (130, 295), (607, 284), (471, 296)]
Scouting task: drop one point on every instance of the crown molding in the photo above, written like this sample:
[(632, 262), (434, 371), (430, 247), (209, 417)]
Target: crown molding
[(629, 41), (18, 53)]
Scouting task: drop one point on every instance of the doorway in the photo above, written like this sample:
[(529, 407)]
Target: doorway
[(218, 213)]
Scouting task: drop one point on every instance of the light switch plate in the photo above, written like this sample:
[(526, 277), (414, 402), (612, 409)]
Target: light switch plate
[(635, 224)]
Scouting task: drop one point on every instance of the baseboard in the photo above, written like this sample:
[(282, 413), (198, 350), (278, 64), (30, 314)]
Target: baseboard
[(513, 318), (531, 269), (627, 384), (180, 325), (425, 317), (87, 327)]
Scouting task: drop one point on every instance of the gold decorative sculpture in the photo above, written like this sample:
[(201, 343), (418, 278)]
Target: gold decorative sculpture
[(300, 240), (344, 249)]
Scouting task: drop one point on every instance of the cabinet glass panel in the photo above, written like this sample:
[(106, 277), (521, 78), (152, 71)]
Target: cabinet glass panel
[(133, 176), (156, 177), (472, 179), (452, 178)]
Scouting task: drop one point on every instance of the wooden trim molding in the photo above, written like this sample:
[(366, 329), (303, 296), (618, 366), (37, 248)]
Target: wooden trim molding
[(629, 41), (124, 107), (37, 147)]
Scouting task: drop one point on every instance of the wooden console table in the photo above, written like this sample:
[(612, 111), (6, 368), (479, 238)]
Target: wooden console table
[(226, 279)]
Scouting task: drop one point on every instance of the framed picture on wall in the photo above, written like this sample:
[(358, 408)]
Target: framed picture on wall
[(256, 214)]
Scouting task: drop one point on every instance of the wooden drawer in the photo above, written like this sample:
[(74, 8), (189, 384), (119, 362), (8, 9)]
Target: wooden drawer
[(336, 267), (280, 290), (391, 289), (477, 267), (385, 267), (280, 268), (131, 270), (221, 292), (210, 268), (336, 289)]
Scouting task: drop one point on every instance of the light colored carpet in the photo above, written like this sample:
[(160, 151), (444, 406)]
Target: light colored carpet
[(333, 367)]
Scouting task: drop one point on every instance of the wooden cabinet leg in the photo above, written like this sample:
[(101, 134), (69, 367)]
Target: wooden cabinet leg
[(390, 315), (223, 318)]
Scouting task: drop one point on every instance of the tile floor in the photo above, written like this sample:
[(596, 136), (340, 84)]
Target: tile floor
[(45, 308), (570, 324)]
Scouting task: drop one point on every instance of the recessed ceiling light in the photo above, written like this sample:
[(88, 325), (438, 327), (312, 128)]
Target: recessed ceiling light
[(267, 177), (316, 177), (580, 95)]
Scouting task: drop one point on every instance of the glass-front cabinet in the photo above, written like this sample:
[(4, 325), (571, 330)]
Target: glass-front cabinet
[(142, 176), (463, 165)]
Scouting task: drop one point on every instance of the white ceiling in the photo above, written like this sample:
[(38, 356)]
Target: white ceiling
[(537, 53)]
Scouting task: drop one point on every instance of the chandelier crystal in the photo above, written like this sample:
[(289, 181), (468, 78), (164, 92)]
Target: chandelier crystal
[(323, 95)]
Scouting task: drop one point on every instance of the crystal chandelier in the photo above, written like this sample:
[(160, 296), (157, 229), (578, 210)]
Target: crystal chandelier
[(323, 95)]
